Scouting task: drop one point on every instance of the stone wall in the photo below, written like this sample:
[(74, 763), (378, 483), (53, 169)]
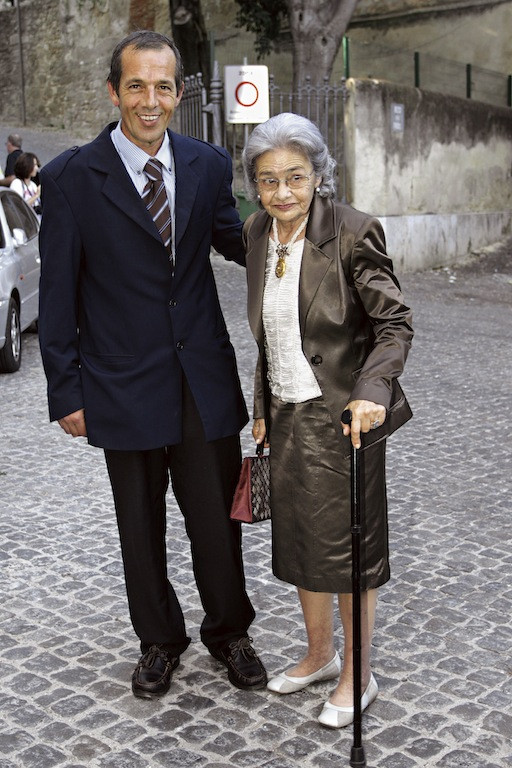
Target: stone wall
[(66, 47), (441, 186), (441, 182)]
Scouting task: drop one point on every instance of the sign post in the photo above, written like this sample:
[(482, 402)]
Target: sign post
[(246, 94)]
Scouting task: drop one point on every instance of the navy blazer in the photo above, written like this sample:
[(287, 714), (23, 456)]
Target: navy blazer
[(116, 329)]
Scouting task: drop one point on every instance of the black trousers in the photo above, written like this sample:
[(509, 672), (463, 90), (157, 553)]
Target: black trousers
[(203, 477)]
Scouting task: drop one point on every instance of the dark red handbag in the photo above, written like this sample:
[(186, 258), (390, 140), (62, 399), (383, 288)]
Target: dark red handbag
[(251, 502)]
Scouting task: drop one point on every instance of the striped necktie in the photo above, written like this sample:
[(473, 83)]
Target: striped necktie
[(157, 203)]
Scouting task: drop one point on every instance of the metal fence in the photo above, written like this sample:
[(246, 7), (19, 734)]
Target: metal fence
[(323, 104), (357, 58), (423, 70), (193, 112)]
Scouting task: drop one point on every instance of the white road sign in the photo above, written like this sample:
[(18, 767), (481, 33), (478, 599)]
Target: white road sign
[(246, 94)]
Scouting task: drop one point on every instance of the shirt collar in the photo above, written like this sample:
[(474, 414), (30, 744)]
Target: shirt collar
[(135, 157)]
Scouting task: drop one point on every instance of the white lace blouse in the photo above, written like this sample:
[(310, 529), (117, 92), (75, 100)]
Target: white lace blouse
[(290, 377)]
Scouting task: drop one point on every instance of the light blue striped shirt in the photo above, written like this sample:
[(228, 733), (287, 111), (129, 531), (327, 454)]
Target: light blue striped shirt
[(135, 159)]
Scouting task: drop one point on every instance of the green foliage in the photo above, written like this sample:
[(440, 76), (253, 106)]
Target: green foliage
[(264, 18)]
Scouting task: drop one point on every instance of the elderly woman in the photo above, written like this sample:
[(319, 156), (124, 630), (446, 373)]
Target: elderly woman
[(333, 332)]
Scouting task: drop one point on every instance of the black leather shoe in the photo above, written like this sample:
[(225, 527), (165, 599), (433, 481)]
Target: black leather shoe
[(152, 676), (245, 669)]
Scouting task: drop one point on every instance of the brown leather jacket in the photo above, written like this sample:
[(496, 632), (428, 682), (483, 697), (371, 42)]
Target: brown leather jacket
[(356, 330)]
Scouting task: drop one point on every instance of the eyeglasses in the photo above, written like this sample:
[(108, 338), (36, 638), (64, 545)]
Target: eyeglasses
[(294, 181)]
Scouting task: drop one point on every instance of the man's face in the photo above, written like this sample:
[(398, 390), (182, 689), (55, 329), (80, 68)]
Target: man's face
[(147, 95)]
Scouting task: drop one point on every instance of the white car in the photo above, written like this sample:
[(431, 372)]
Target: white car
[(20, 267)]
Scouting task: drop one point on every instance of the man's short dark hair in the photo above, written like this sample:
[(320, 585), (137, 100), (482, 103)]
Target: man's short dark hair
[(15, 140), (143, 39)]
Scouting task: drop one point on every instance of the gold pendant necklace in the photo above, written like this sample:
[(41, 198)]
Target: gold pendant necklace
[(284, 250), (282, 253)]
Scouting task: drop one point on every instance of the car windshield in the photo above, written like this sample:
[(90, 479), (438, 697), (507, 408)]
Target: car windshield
[(18, 215)]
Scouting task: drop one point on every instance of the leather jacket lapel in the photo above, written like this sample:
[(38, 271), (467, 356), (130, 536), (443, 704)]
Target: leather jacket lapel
[(321, 230), (316, 260), (256, 233), (315, 264), (322, 221)]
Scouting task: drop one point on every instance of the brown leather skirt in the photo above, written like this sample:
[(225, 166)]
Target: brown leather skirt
[(310, 497)]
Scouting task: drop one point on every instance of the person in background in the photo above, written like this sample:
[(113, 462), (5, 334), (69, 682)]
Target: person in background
[(26, 169), (138, 357), (333, 332), (13, 145)]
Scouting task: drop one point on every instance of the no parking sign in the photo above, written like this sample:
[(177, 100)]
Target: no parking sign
[(246, 94)]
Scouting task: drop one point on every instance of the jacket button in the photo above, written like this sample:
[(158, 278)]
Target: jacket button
[(316, 359), (180, 345), (173, 303)]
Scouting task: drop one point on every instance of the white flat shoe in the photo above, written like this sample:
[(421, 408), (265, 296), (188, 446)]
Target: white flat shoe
[(284, 683), (338, 717)]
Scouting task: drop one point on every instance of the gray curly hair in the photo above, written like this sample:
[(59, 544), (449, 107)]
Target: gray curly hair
[(289, 130)]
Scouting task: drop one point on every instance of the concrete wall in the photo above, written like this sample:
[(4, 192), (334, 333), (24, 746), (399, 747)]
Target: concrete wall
[(442, 186), (475, 33)]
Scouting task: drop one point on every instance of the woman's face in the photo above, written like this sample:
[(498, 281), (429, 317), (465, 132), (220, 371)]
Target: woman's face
[(288, 206)]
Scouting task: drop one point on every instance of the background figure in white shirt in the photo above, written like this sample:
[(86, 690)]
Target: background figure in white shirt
[(26, 168)]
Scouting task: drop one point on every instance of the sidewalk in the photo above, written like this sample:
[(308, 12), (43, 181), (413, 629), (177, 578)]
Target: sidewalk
[(443, 640), (45, 143)]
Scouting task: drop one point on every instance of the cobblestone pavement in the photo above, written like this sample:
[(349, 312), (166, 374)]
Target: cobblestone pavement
[(442, 650)]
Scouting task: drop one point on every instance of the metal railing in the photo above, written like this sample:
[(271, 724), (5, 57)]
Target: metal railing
[(322, 104), (325, 104), (398, 65), (194, 108), (423, 70)]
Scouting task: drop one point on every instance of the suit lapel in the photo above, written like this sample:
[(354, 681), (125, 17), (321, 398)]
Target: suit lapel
[(117, 185), (119, 188), (187, 182)]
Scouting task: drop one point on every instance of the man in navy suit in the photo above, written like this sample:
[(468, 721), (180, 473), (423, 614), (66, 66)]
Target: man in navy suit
[(138, 358)]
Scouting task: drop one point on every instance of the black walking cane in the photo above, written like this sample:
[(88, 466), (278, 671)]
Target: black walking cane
[(357, 756)]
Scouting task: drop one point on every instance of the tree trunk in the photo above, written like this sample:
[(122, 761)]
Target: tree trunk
[(317, 28), (189, 34)]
